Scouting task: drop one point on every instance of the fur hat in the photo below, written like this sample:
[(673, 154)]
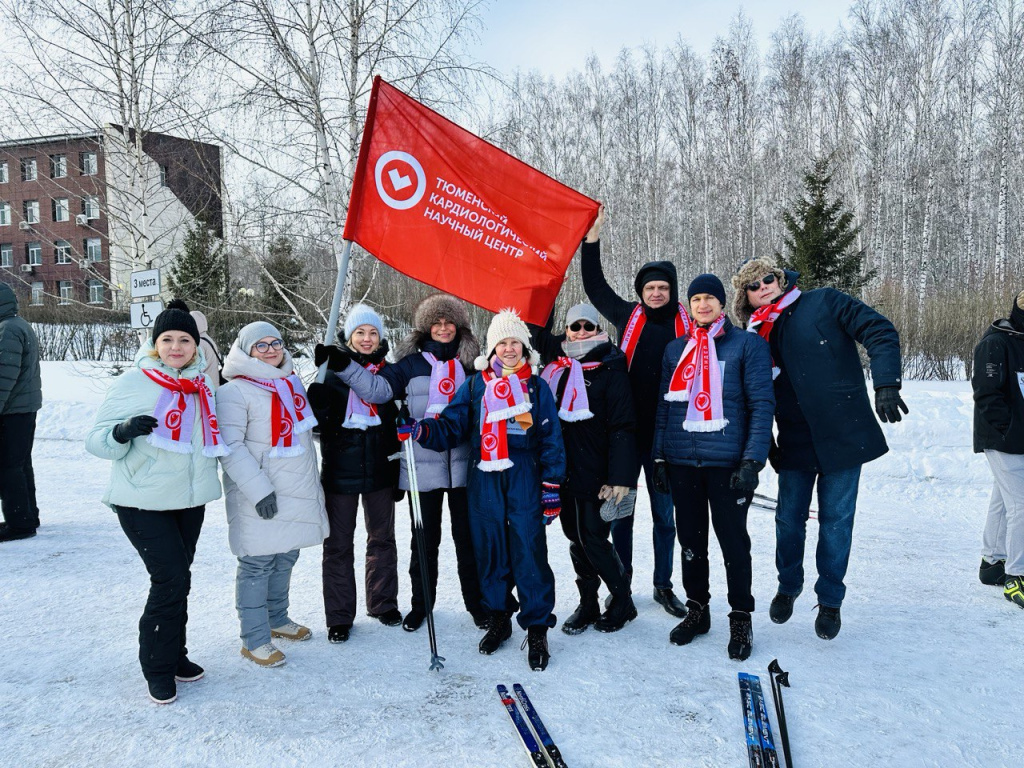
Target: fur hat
[(175, 319), (428, 312), (586, 312), (749, 271), (707, 283), (253, 332), (507, 325), (361, 314)]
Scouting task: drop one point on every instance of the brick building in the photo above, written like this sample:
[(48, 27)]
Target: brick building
[(78, 213)]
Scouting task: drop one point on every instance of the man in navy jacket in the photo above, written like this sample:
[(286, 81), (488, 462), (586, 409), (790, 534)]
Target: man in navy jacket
[(826, 430)]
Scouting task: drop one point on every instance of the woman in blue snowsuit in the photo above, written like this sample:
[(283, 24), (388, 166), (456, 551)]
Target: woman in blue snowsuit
[(517, 462)]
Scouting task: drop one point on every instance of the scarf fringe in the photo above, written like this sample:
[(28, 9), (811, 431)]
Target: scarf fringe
[(714, 425), (359, 421), (286, 452), (215, 451), (497, 465), (169, 445), (305, 425), (435, 409), (508, 413), (679, 396), (567, 415)]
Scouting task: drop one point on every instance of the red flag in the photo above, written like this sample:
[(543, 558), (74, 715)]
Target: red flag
[(449, 209)]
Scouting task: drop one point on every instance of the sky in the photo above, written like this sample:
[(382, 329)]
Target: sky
[(556, 36)]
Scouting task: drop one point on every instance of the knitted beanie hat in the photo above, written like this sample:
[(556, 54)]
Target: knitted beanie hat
[(706, 283), (749, 271), (361, 314), (506, 325), (586, 312), (253, 332), (175, 320)]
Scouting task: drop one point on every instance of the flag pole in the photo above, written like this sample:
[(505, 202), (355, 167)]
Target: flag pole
[(332, 319)]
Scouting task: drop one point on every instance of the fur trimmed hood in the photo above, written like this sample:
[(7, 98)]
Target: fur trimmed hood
[(749, 271), (428, 312)]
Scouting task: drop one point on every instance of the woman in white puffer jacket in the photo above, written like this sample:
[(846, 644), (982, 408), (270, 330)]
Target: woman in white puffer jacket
[(274, 500)]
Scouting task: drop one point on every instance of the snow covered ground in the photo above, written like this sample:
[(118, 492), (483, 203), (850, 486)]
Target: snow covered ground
[(926, 670)]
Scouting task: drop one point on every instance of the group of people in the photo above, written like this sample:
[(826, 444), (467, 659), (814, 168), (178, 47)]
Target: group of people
[(682, 393)]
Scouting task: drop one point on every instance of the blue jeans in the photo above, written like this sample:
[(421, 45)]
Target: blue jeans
[(837, 502), (261, 595), (664, 532)]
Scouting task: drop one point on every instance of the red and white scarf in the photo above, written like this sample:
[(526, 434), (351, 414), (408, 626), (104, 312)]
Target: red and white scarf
[(360, 414), (290, 413), (175, 414), (635, 326), (574, 405), (504, 398), (446, 376), (697, 379), (763, 319)]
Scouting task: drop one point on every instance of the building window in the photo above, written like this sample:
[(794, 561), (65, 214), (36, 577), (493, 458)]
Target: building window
[(66, 294), (93, 249), (58, 166), (62, 250), (95, 292), (87, 162), (37, 294), (163, 175), (6, 255), (61, 209), (31, 211), (34, 254), (29, 169), (3, 173), (5, 214), (91, 207)]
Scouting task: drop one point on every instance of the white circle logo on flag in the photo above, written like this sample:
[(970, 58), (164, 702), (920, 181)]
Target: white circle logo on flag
[(401, 182)]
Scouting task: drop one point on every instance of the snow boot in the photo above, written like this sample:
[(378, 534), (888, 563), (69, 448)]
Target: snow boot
[(390, 618), (1014, 590), (162, 690), (292, 631), (339, 633), (414, 620), (828, 622), (539, 654), (781, 608), (265, 656), (667, 599), (621, 612), (480, 618), (587, 612), (188, 671), (697, 622), (499, 629), (741, 635), (15, 534), (992, 573)]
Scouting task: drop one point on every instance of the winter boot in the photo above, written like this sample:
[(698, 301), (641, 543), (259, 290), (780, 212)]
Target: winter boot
[(188, 671), (667, 599), (162, 690), (741, 635), (265, 656), (292, 631), (1014, 590), (499, 629), (539, 654), (621, 612), (781, 608), (14, 534), (828, 622), (414, 620), (339, 633), (587, 612), (390, 618), (992, 573), (480, 618), (697, 622)]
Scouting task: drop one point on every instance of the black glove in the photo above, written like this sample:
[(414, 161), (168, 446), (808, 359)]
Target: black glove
[(661, 478), (888, 404), (337, 358), (267, 507), (136, 426), (745, 476), (397, 494)]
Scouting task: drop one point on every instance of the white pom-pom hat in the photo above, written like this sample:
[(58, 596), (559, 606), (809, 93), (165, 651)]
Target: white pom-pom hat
[(506, 325)]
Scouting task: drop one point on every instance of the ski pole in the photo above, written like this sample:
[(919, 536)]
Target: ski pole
[(772, 504), (780, 678), (421, 548)]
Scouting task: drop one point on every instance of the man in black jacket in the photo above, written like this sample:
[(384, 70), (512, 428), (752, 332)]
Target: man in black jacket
[(999, 432), (21, 396), (645, 329), (826, 429)]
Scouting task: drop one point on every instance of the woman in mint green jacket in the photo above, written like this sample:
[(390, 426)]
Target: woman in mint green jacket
[(158, 425)]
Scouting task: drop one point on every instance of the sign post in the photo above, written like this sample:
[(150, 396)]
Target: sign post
[(144, 285)]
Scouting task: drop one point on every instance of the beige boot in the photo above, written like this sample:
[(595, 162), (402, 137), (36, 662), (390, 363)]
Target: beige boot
[(292, 631), (266, 655)]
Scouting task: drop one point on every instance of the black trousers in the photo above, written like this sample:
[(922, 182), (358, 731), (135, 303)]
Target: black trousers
[(166, 542), (17, 481), (593, 556), (694, 489), (430, 507)]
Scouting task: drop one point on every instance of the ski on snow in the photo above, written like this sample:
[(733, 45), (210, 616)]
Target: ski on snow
[(768, 750), (761, 750), (543, 754)]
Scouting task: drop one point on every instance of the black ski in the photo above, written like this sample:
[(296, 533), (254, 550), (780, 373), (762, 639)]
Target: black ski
[(525, 735), (554, 756)]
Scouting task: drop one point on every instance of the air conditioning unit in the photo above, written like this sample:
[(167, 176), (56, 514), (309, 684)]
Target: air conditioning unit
[(27, 267), (82, 220), (24, 225), (83, 264)]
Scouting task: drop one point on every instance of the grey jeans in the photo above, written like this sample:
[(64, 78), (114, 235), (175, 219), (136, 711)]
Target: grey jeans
[(261, 595), (1003, 538)]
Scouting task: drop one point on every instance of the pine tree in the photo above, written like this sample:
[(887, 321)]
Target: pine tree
[(199, 273), (820, 245), (289, 274)]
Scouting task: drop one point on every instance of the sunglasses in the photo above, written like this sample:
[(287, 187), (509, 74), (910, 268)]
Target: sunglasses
[(767, 280), (582, 325), (263, 346)]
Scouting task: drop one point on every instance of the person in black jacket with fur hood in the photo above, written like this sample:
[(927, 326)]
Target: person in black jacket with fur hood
[(998, 382), (587, 375)]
